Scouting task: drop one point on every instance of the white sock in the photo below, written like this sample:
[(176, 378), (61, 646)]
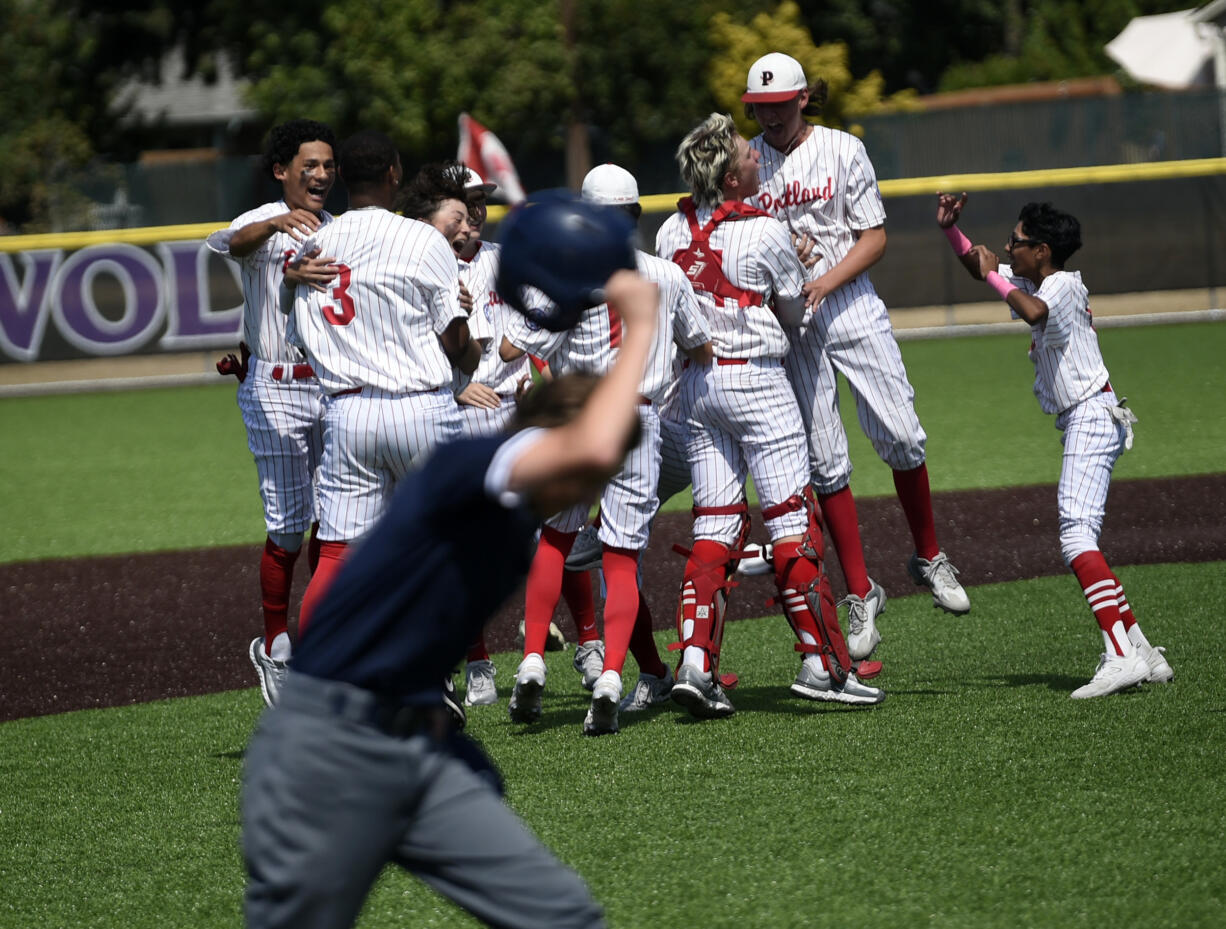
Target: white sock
[(281, 648), (1137, 637)]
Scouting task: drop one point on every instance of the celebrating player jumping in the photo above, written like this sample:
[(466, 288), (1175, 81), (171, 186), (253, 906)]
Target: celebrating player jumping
[(821, 183)]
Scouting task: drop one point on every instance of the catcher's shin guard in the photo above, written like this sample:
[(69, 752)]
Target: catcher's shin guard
[(809, 606), (704, 600), (804, 589)]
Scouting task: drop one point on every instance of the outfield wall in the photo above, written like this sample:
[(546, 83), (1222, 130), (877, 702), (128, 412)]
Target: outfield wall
[(1149, 229)]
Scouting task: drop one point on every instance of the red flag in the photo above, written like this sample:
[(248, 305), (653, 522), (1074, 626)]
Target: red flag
[(481, 150)]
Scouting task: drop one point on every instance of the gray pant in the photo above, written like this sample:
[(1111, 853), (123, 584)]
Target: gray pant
[(328, 800)]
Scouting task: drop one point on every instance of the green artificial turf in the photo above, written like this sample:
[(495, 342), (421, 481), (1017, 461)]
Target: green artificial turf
[(163, 469), (978, 795)]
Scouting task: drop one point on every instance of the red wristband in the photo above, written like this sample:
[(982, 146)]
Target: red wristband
[(1000, 285), (957, 241)]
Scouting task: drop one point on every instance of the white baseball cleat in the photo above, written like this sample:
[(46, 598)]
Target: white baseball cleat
[(1155, 657), (757, 560), (649, 691), (480, 689), (525, 705), (700, 694), (815, 683), (862, 613), (941, 577), (589, 661), (1114, 673), (601, 716), (270, 671)]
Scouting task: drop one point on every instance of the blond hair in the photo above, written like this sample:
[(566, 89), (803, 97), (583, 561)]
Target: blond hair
[(706, 155)]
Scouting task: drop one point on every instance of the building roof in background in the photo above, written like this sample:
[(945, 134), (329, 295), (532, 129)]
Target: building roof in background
[(1023, 93), (186, 101)]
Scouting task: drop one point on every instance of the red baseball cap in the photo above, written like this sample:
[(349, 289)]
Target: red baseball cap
[(774, 78)]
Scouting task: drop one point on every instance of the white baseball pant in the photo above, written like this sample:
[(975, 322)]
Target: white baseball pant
[(743, 419), (284, 421), (371, 440), (1093, 440)]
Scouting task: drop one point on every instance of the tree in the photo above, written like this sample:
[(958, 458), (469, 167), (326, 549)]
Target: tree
[(1059, 39), (738, 46), (61, 62)]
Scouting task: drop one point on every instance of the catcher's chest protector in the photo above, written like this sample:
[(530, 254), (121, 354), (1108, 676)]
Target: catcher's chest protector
[(702, 264)]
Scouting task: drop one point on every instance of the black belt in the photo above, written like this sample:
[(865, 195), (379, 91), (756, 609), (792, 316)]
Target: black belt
[(399, 720)]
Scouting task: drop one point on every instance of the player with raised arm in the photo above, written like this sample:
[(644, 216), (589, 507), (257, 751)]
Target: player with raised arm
[(382, 339), (278, 395), (379, 776), (820, 182), (1071, 382), (744, 420), (628, 502)]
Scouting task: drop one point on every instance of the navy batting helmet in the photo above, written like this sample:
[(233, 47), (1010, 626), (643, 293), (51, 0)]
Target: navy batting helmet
[(566, 248)]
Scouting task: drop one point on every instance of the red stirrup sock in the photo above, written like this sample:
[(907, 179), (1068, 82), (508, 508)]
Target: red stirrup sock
[(276, 579), (577, 592), (916, 498), (331, 559), (843, 524), (544, 586), (1121, 603), (1098, 585), (643, 642), (477, 651), (621, 606)]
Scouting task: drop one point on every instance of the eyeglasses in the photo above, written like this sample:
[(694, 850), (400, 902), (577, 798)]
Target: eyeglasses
[(1014, 242)]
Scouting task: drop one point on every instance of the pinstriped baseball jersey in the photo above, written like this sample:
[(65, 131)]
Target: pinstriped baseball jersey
[(826, 188), (591, 346), (379, 321), (755, 254), (283, 416), (261, 272), (1068, 365), (743, 419), (489, 320)]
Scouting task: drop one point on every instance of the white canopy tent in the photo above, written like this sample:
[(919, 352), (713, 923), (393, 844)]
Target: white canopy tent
[(1178, 51), (1171, 50)]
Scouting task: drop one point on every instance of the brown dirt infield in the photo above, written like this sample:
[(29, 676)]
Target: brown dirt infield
[(99, 632)]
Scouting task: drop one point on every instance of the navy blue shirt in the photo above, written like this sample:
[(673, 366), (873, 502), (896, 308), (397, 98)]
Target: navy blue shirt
[(413, 594)]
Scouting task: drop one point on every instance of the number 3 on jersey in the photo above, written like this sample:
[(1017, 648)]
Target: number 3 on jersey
[(340, 293)]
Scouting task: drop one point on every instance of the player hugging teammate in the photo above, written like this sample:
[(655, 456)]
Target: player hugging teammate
[(763, 276)]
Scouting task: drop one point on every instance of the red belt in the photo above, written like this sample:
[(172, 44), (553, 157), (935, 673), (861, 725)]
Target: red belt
[(732, 361), (351, 390), (1107, 387), (296, 372), (644, 401)]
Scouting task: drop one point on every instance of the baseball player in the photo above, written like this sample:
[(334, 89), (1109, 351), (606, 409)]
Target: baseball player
[(629, 502), (278, 394), (821, 183), (378, 775), (487, 402), (382, 340), (743, 419), (1071, 383)]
